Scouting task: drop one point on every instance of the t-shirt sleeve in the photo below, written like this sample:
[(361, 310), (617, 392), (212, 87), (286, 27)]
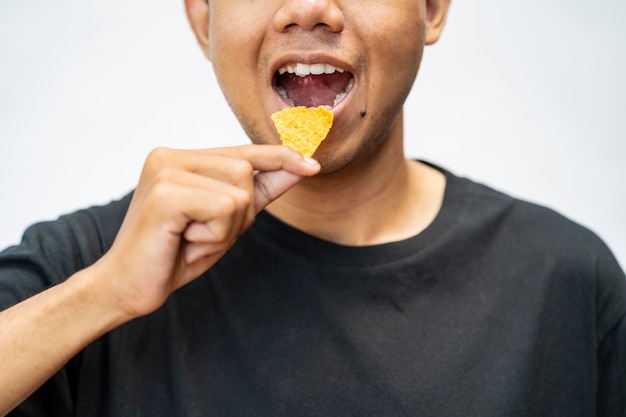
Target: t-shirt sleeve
[(49, 253), (45, 257), (611, 326), (52, 251), (612, 372)]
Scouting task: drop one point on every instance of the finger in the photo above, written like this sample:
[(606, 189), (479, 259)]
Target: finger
[(236, 165), (229, 219), (199, 232), (195, 265), (266, 158), (179, 198), (279, 168), (193, 252), (219, 229), (260, 157), (268, 186), (208, 163)]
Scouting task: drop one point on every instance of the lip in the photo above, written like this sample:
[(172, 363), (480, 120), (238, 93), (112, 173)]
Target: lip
[(311, 58)]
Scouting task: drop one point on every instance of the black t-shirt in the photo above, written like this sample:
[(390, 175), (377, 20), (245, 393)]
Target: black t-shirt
[(498, 308)]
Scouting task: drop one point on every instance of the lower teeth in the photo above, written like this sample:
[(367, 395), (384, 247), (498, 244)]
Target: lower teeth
[(283, 94), (339, 97)]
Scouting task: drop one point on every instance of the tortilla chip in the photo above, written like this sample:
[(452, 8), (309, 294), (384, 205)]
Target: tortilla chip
[(303, 128)]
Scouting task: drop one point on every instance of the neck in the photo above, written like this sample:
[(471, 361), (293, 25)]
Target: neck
[(383, 199)]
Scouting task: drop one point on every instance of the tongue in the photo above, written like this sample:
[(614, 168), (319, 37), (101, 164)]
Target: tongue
[(313, 90)]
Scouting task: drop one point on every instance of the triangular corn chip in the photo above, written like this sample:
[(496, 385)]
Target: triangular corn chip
[(303, 128)]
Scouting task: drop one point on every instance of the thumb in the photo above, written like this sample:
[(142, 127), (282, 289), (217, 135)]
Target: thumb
[(268, 186)]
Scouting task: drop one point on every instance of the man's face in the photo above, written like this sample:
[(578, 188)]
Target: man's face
[(354, 56)]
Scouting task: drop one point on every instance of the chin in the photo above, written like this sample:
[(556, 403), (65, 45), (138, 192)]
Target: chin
[(332, 165), (344, 160)]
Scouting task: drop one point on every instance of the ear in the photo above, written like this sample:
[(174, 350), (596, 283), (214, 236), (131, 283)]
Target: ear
[(436, 12), (198, 16)]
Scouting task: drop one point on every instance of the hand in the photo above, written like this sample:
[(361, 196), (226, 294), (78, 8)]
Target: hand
[(187, 211)]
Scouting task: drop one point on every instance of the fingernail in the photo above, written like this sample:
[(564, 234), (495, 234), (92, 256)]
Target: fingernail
[(310, 161)]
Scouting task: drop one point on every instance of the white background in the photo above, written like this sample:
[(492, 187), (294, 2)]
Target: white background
[(527, 96)]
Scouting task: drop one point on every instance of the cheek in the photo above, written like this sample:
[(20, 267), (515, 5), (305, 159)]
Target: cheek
[(235, 61), (393, 72), (235, 65), (396, 41), (235, 40), (230, 54), (404, 41)]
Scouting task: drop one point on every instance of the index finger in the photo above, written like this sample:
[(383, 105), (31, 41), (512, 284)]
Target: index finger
[(266, 158)]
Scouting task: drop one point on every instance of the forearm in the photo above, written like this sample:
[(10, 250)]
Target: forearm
[(41, 334)]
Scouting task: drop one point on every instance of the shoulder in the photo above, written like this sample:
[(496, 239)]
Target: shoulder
[(51, 251), (93, 227), (540, 241), (523, 221)]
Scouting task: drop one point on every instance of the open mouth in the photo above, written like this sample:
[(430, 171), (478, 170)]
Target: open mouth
[(313, 85)]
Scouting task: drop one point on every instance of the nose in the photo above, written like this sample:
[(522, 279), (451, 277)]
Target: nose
[(309, 15)]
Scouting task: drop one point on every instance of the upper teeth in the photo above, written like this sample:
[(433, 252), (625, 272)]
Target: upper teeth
[(302, 70)]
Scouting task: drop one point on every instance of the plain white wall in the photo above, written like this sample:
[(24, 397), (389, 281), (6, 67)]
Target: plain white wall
[(528, 97)]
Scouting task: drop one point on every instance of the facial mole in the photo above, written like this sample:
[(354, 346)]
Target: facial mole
[(363, 113)]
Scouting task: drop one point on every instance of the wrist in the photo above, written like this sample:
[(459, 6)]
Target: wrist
[(93, 293)]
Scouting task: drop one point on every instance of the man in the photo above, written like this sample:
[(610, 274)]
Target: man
[(253, 281)]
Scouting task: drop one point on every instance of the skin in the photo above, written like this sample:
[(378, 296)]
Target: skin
[(363, 171)]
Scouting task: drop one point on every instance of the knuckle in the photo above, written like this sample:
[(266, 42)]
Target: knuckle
[(220, 230), (157, 158), (161, 191), (242, 168), (161, 153), (242, 199), (287, 153), (231, 205), (163, 184), (164, 175), (238, 202), (227, 206), (234, 201)]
